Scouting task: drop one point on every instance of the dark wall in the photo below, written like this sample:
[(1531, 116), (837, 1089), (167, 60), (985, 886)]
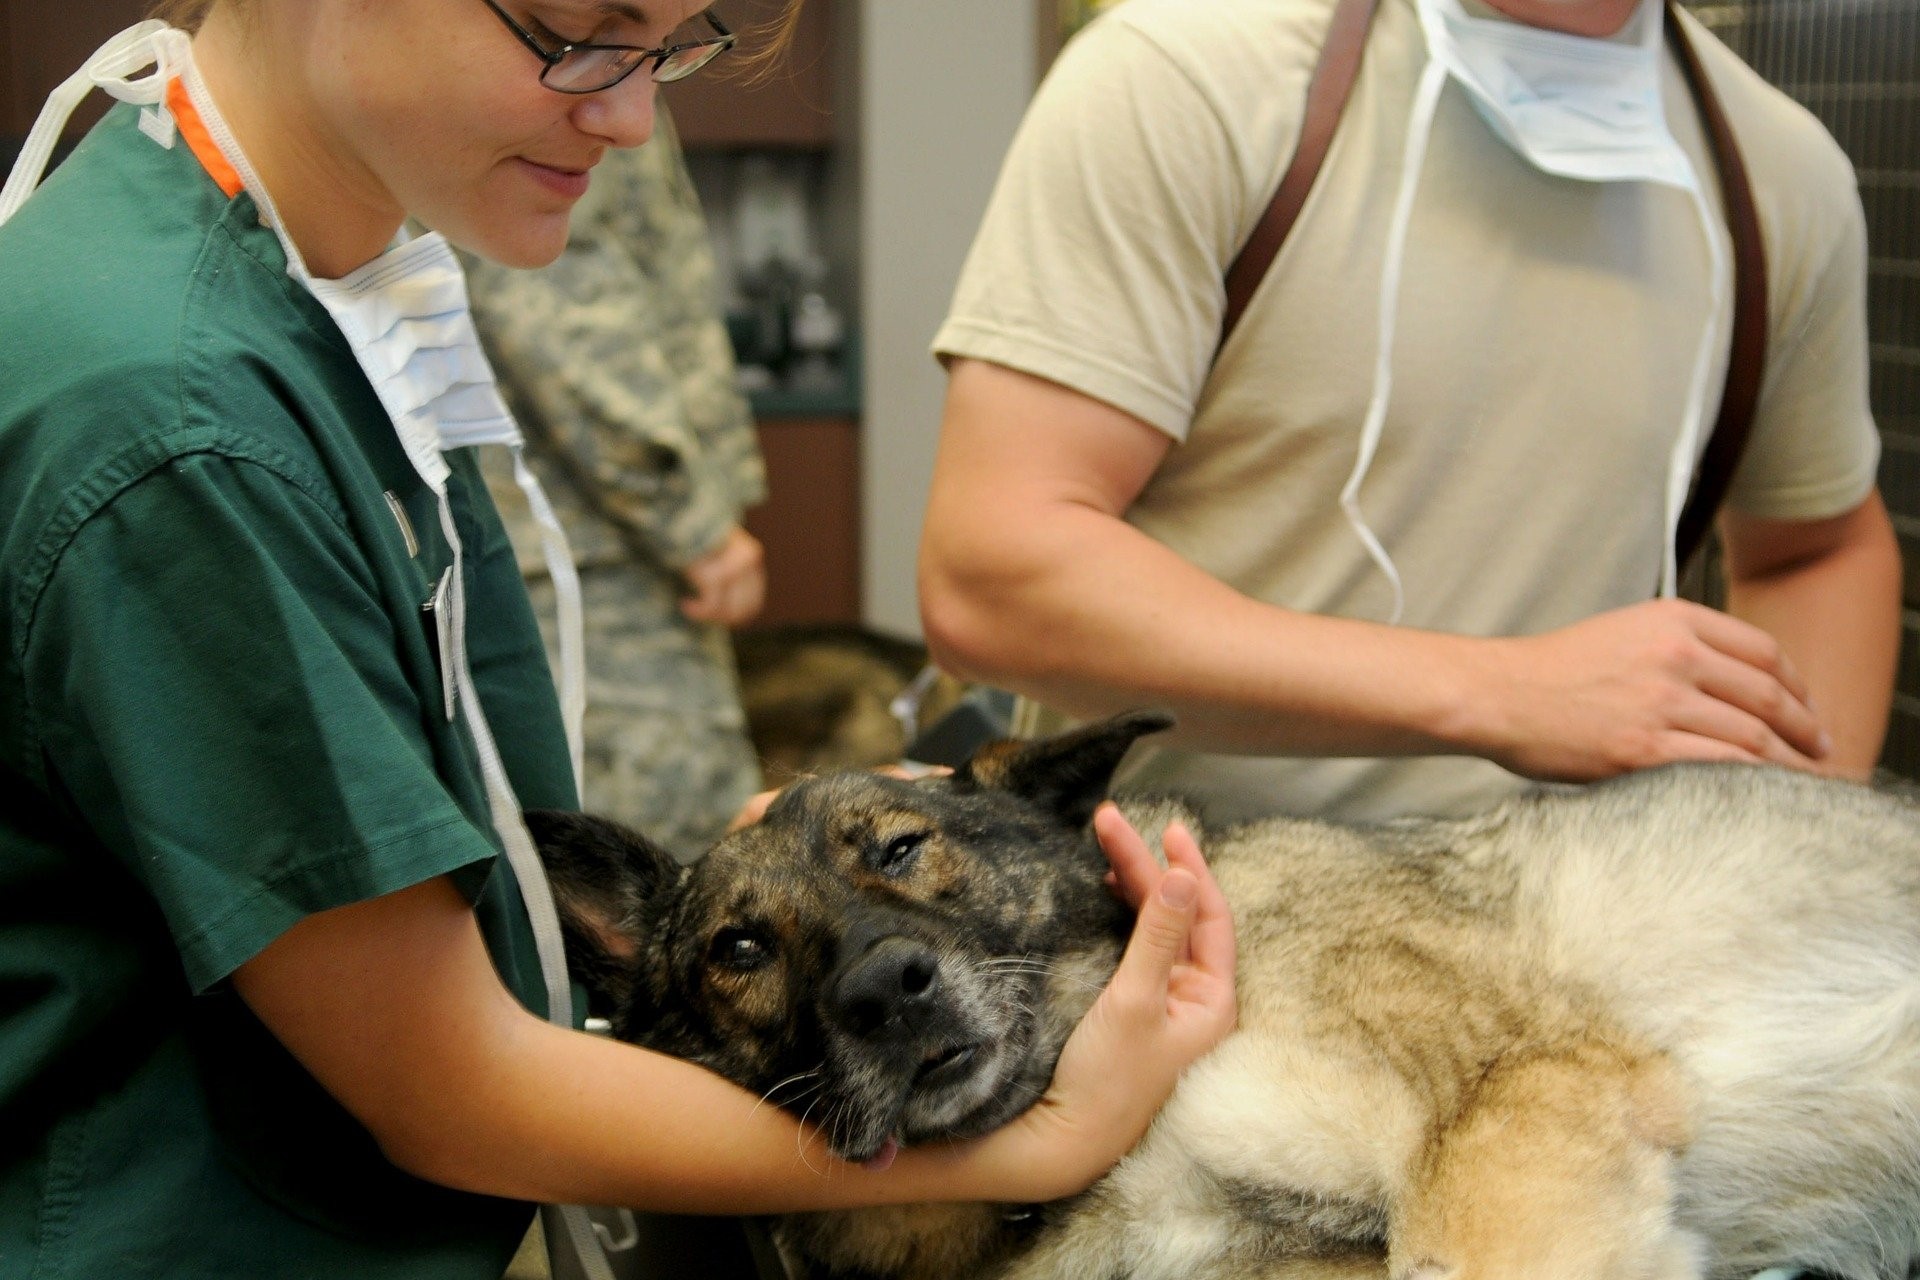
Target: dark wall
[(42, 42), (1856, 65)]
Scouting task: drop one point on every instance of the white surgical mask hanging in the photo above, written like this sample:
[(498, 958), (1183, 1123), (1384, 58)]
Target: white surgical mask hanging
[(1576, 107)]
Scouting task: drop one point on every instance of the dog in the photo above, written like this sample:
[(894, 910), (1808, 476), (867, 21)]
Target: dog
[(1664, 1026)]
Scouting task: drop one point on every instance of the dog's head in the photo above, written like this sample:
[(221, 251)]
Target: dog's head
[(898, 961)]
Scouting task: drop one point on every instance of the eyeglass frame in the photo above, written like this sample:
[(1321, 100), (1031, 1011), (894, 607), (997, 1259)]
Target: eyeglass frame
[(722, 41)]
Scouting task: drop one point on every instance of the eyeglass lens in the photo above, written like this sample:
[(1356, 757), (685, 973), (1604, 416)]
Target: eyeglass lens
[(585, 70)]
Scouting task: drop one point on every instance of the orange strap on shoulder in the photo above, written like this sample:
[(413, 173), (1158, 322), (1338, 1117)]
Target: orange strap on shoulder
[(200, 142)]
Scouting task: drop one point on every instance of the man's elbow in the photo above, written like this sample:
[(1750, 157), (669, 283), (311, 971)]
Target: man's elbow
[(960, 635)]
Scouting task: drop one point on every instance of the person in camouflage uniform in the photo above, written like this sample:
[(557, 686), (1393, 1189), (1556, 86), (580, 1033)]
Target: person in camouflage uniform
[(617, 365)]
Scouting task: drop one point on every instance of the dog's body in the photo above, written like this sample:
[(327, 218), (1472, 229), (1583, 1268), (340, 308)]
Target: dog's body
[(1663, 1027)]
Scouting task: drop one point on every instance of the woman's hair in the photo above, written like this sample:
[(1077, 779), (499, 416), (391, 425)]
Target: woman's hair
[(772, 39), (185, 14)]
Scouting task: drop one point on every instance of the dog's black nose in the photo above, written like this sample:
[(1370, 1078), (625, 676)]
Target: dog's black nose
[(889, 988)]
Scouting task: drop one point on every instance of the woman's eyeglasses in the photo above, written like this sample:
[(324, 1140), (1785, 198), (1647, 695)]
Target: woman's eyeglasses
[(589, 68)]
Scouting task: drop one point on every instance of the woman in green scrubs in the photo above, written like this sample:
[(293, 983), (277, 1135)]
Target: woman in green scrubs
[(269, 998)]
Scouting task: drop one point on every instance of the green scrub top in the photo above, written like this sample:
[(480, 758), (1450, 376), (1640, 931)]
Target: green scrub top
[(221, 710)]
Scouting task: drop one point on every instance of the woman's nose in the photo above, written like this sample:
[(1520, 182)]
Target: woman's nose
[(622, 115)]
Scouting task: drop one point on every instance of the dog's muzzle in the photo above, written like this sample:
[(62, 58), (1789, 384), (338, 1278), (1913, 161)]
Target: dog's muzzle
[(890, 992)]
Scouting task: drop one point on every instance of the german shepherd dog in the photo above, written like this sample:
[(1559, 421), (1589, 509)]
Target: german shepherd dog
[(1666, 1026)]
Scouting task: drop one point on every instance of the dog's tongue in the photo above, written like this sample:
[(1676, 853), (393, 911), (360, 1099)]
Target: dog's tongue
[(882, 1160)]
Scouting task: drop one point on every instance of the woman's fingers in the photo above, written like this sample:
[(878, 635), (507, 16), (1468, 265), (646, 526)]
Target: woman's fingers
[(1135, 869)]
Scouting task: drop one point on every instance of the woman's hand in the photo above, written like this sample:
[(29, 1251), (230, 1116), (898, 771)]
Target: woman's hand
[(1171, 1000), (729, 583)]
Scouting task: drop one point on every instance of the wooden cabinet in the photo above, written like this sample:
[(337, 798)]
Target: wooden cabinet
[(788, 103), (810, 522)]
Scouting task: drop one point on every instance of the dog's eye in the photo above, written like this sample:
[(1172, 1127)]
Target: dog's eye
[(898, 854), (741, 950)]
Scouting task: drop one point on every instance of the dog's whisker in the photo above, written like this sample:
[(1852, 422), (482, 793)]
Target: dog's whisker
[(817, 1075), (800, 1138)]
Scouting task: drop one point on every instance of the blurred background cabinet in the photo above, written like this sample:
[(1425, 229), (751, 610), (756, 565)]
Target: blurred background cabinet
[(786, 105), (770, 153)]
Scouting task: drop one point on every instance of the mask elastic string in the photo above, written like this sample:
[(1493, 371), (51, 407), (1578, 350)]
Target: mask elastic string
[(569, 1228), (568, 610), (512, 829), (1419, 132), (1686, 447), (109, 68)]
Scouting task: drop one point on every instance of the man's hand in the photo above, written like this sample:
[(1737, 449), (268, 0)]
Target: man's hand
[(1645, 685), (729, 583)]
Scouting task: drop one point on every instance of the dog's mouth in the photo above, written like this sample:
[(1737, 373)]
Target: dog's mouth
[(953, 1087), (945, 1066), (941, 1067), (982, 1054), (933, 1097)]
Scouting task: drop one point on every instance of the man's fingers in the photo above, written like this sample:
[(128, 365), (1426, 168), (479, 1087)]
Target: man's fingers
[(1736, 735), (1751, 646), (1755, 708)]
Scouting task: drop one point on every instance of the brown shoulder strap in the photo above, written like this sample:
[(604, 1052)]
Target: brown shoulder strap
[(1747, 361), (1327, 96)]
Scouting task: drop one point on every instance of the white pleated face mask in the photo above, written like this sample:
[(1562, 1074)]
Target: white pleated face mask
[(1574, 106)]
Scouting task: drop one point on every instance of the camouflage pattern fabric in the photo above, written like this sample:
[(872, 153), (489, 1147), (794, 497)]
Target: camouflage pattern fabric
[(617, 365)]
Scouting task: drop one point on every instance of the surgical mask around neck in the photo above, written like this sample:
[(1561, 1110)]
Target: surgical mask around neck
[(1573, 107)]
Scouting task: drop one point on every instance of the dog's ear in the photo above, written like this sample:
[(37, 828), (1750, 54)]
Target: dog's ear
[(1068, 773), (608, 883)]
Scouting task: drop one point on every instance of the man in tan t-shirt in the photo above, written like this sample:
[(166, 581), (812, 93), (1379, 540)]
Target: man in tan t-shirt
[(1397, 548)]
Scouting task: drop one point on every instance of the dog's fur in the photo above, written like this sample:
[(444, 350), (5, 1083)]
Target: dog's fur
[(1667, 1026)]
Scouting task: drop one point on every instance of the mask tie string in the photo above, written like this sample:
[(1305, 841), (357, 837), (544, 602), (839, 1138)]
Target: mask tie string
[(111, 68), (568, 609), (1419, 132)]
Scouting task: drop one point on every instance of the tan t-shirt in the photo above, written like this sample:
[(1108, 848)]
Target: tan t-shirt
[(1546, 330)]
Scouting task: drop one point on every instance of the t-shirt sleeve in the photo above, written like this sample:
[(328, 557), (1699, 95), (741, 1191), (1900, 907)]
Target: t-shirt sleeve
[(210, 666), (1814, 449), (1100, 263)]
